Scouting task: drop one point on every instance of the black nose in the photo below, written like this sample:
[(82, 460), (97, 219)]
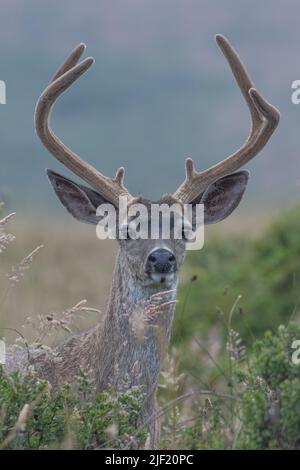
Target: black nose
[(161, 261)]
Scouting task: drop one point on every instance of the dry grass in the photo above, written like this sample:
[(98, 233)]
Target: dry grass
[(73, 265)]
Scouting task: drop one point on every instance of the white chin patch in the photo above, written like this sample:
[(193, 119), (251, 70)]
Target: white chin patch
[(158, 278)]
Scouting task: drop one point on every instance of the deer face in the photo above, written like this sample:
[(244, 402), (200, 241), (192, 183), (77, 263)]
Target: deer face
[(219, 188), (153, 260)]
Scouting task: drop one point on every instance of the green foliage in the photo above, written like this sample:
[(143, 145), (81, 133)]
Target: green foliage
[(68, 418), (266, 272), (271, 404), (261, 406)]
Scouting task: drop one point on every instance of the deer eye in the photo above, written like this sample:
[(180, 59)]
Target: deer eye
[(125, 232), (184, 234), (186, 230)]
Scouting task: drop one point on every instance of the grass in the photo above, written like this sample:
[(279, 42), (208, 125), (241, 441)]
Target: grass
[(73, 265), (222, 377)]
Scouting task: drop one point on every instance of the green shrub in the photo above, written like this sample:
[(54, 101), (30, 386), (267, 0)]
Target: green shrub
[(260, 409), (68, 418), (271, 404), (265, 272)]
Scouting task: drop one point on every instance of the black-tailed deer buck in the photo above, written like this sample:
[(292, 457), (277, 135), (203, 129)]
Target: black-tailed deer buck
[(128, 348)]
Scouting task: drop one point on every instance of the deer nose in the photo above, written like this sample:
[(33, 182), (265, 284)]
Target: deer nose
[(161, 261)]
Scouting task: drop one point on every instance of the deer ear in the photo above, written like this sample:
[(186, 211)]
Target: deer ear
[(79, 200), (223, 196)]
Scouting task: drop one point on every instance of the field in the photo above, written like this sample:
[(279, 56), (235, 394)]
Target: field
[(231, 293), (73, 265)]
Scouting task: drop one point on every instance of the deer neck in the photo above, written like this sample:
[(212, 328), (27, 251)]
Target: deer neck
[(136, 331)]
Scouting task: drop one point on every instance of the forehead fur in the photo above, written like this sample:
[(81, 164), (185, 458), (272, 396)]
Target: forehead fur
[(165, 199)]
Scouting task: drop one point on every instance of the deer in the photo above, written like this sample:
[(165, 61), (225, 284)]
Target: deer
[(145, 269)]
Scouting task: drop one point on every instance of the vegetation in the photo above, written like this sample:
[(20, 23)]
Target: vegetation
[(263, 274), (259, 409), (227, 384), (32, 418)]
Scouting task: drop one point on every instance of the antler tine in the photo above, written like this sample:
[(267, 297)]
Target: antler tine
[(66, 75), (264, 120), (70, 61), (240, 74)]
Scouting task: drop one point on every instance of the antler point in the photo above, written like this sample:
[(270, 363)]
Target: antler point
[(189, 168), (89, 61), (220, 39), (80, 49), (120, 175)]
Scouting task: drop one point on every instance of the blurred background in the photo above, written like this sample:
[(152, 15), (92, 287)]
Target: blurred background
[(160, 91)]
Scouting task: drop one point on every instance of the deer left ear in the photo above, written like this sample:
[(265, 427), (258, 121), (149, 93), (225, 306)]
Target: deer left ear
[(223, 196)]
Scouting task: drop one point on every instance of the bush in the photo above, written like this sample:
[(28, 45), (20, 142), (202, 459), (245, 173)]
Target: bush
[(264, 272), (260, 409), (271, 404), (33, 418)]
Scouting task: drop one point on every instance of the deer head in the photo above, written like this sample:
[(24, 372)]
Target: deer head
[(220, 188)]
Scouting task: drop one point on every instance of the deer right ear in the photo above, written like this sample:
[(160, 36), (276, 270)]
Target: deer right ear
[(79, 200), (223, 196)]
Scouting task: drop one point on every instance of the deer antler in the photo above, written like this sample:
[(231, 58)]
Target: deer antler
[(67, 74), (264, 117)]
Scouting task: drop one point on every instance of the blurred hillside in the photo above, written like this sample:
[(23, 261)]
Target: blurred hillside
[(75, 265), (160, 91)]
